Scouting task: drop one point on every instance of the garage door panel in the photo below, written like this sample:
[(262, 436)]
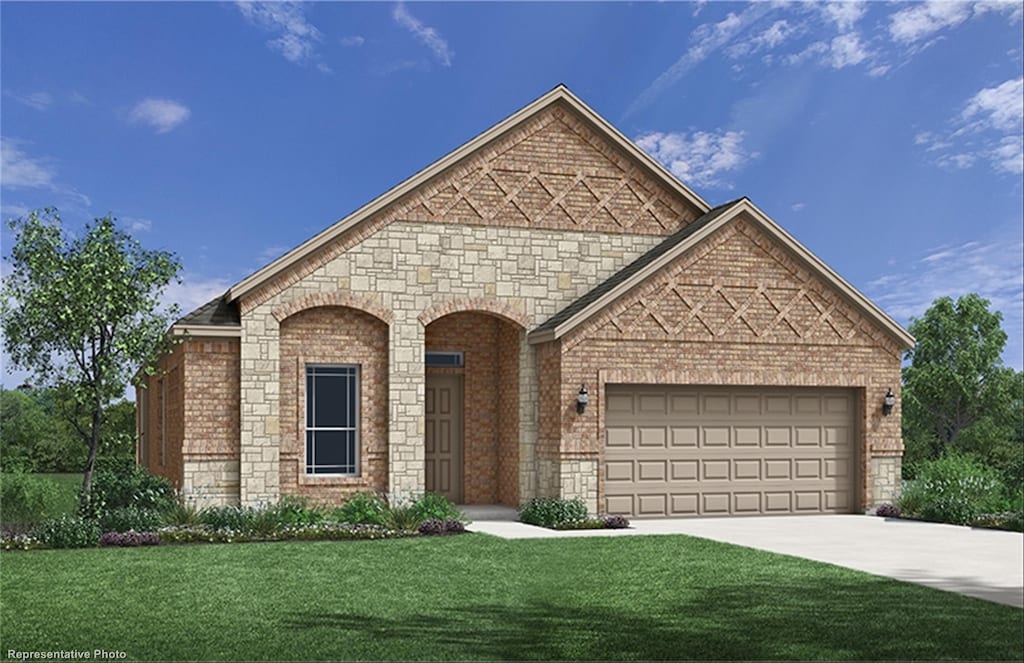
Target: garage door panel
[(619, 437), (652, 436), (685, 436), (715, 470), (618, 470), (684, 504), (652, 504), (651, 470), (716, 436), (746, 470), (714, 451)]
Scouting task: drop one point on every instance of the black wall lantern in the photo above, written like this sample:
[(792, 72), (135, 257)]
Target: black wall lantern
[(888, 403), (582, 399)]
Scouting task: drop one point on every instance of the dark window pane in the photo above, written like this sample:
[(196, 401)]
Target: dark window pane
[(330, 448), (333, 401), (309, 398)]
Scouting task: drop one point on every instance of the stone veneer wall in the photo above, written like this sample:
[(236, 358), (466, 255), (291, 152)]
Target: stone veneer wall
[(737, 310), (334, 335), (403, 271), (886, 479)]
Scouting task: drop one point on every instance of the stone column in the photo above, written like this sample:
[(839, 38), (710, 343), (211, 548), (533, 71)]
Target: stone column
[(259, 466), (528, 420), (406, 395)]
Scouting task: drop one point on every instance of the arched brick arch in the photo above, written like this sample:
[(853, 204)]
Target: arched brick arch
[(490, 305), (337, 298)]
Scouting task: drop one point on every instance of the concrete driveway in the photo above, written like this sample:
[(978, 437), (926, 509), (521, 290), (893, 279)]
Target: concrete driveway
[(987, 564)]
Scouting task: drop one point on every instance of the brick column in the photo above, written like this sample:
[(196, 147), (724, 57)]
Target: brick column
[(259, 467), (406, 394)]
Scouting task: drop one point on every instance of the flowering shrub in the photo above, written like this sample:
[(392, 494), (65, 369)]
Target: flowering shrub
[(20, 542), (67, 532), (953, 489), (616, 522), (125, 518), (437, 527), (315, 532), (553, 512), (129, 539), (887, 511)]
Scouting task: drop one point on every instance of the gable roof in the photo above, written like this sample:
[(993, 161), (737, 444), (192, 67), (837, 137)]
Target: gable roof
[(559, 94), (633, 274), (627, 272), (217, 316)]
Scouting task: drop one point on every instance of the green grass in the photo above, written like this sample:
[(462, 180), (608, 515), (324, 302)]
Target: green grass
[(68, 486), (478, 597)]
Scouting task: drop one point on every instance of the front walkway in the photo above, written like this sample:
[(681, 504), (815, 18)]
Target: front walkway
[(987, 564)]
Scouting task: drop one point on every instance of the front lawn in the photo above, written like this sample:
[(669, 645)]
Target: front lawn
[(479, 597)]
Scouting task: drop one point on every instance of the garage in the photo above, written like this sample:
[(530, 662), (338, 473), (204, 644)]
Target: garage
[(723, 451)]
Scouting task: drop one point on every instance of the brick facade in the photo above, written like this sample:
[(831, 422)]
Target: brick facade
[(473, 259)]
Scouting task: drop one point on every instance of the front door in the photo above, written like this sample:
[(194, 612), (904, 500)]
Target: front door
[(444, 436)]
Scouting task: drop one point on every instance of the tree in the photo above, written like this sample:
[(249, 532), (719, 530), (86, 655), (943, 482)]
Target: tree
[(82, 313), (956, 392)]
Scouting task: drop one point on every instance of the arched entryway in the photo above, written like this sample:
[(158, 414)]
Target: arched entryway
[(472, 408)]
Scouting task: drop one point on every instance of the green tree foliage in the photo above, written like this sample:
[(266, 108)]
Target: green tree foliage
[(34, 437), (957, 394), (82, 313)]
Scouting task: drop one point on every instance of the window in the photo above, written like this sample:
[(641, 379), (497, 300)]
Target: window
[(144, 427), (444, 359), (332, 420)]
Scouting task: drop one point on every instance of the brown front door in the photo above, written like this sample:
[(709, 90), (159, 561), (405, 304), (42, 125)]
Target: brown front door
[(444, 436)]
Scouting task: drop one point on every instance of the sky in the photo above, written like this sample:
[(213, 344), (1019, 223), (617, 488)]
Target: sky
[(886, 137)]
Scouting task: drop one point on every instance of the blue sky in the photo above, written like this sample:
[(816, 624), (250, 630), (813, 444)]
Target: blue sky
[(887, 137)]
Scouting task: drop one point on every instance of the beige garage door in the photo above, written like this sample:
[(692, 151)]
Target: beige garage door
[(714, 451)]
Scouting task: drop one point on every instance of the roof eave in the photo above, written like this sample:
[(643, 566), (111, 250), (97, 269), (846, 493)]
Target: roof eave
[(222, 331), (559, 93)]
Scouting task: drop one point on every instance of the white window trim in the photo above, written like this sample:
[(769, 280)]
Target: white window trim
[(357, 429)]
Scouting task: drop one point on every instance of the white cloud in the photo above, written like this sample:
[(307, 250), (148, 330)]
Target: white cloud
[(699, 158), (843, 14), (352, 41), (990, 127), (193, 292), (991, 267), (1000, 107), (920, 21), (798, 207), (429, 36), (36, 100), (297, 37), (847, 50), (13, 211), (771, 37), (19, 170), (704, 40), (135, 224), (161, 114)]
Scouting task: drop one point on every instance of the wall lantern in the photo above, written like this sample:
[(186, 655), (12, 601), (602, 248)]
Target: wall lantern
[(888, 403), (582, 399)]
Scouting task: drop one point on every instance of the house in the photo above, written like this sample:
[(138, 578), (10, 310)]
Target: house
[(545, 311)]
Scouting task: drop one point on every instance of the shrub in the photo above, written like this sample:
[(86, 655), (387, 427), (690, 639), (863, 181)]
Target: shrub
[(28, 498), (124, 519), (553, 512), (129, 539), (229, 517), (438, 527), (68, 532), (887, 510), (182, 513), (132, 486), (616, 522), (953, 489), (319, 532), (362, 509), (402, 516), (19, 542), (432, 506)]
